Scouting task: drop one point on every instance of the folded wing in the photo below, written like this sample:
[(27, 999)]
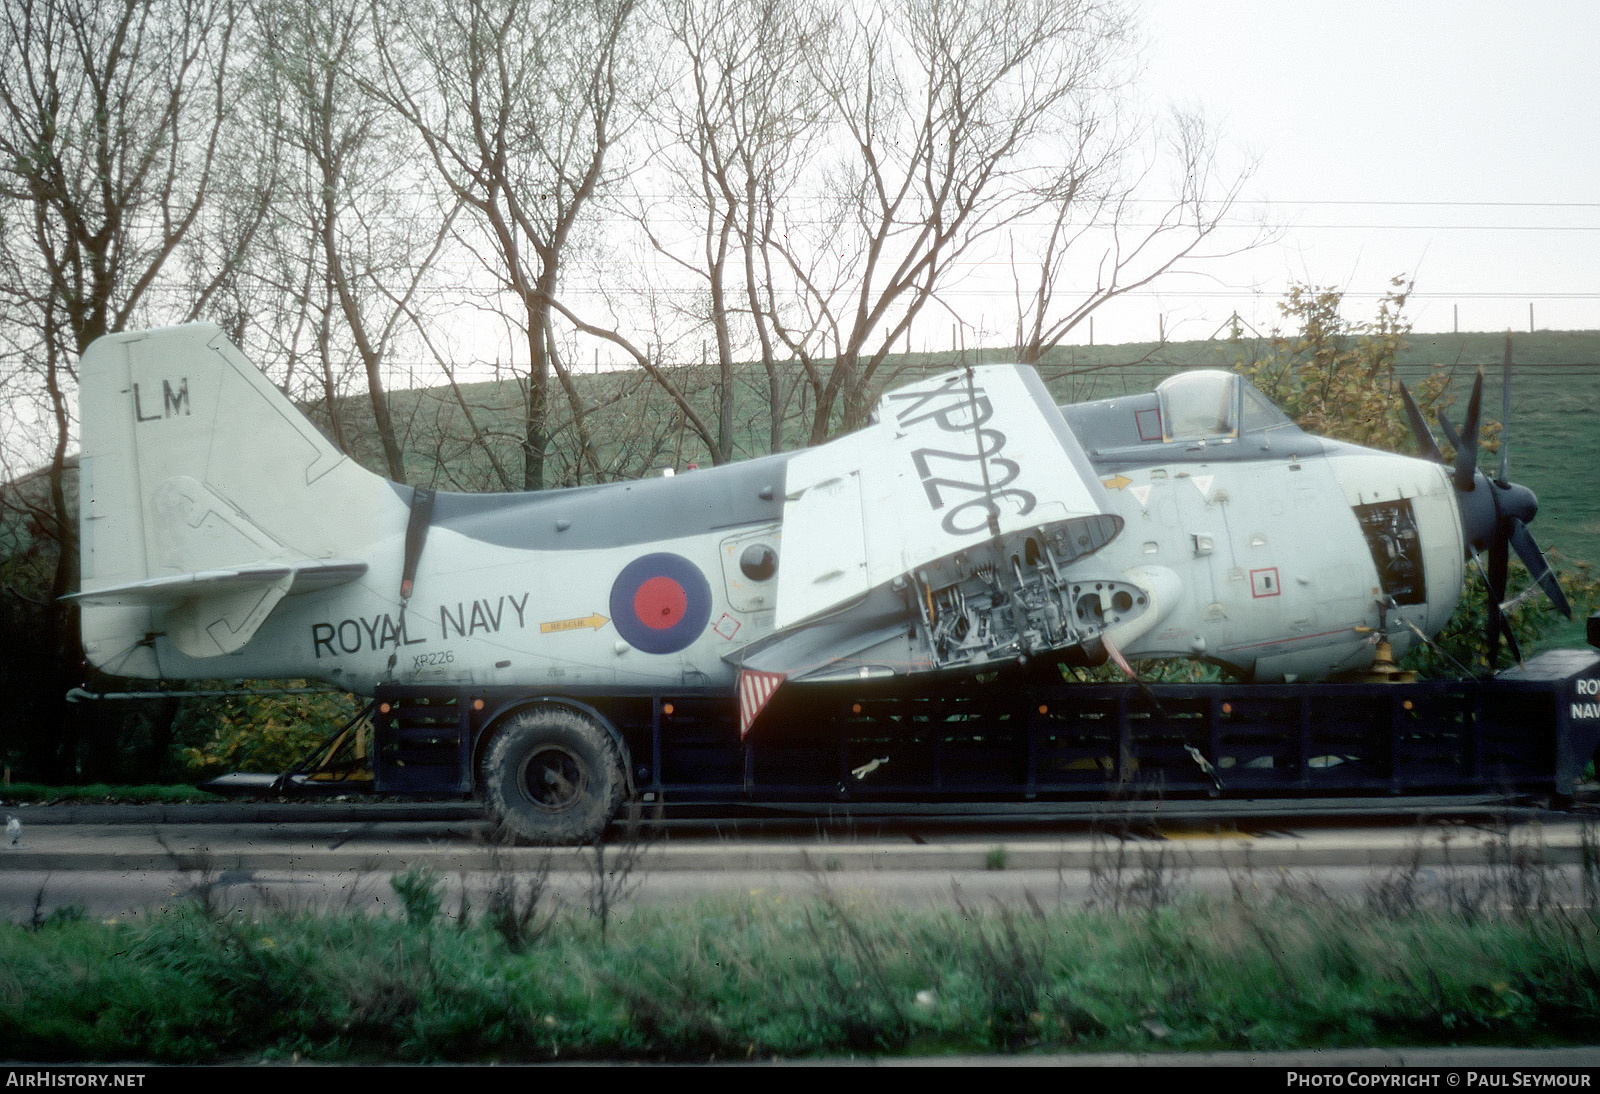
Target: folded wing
[(953, 533)]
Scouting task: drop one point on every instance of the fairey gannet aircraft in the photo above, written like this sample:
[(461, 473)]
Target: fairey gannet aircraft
[(973, 524)]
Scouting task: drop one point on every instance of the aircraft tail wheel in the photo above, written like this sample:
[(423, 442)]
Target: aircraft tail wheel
[(552, 776)]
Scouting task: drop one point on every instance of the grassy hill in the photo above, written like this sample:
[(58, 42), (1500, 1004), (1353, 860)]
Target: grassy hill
[(1555, 410), (1555, 407), (1555, 427)]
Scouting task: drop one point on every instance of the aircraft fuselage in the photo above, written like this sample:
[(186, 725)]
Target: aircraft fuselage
[(971, 525)]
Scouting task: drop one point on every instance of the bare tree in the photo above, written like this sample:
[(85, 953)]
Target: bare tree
[(1093, 204), (519, 104), (111, 117), (736, 119), (947, 113), (361, 222)]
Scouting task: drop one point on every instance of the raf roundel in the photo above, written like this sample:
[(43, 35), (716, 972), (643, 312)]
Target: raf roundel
[(660, 603)]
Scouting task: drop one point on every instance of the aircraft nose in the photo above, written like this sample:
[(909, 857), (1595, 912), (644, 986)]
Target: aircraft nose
[(1516, 501), (1494, 512), (1490, 506)]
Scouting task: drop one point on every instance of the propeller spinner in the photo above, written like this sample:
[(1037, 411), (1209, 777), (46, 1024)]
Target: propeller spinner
[(1495, 512)]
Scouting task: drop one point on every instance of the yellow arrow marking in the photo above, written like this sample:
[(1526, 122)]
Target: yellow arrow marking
[(1117, 483), (595, 621)]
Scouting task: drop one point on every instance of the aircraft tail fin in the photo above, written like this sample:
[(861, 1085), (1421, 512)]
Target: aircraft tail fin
[(205, 498)]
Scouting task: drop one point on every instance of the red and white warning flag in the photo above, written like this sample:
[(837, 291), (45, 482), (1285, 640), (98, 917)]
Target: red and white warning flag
[(1117, 657), (755, 688)]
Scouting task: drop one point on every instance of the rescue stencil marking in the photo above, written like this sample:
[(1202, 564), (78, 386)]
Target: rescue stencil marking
[(660, 603), (593, 621)]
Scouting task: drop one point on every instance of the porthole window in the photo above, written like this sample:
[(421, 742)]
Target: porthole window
[(758, 562)]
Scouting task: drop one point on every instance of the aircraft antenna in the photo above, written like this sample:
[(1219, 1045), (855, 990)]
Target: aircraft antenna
[(417, 524)]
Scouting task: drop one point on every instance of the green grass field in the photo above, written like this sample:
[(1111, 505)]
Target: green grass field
[(1507, 956)]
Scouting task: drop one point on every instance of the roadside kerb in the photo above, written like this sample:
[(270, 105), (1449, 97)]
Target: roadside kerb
[(462, 847)]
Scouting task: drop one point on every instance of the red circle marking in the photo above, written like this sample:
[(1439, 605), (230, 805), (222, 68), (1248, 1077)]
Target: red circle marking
[(660, 603)]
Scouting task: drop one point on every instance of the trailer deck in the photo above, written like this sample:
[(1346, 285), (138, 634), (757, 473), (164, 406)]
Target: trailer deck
[(1005, 746)]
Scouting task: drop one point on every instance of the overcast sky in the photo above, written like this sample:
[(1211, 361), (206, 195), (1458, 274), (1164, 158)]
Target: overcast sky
[(1454, 142)]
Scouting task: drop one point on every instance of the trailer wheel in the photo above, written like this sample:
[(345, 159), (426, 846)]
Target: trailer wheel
[(552, 776)]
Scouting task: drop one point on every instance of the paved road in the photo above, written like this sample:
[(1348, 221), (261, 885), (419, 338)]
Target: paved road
[(124, 860)]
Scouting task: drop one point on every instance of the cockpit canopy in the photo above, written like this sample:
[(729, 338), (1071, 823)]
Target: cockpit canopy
[(1208, 404)]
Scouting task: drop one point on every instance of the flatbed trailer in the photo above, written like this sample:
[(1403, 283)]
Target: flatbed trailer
[(554, 765)]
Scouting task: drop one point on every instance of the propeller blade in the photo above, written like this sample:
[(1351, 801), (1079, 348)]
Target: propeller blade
[(1511, 639), (1498, 564), (1533, 558), (1449, 432), (1426, 445), (1467, 450), (1505, 415)]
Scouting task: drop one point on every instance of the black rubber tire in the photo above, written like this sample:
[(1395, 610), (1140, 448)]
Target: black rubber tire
[(551, 776)]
